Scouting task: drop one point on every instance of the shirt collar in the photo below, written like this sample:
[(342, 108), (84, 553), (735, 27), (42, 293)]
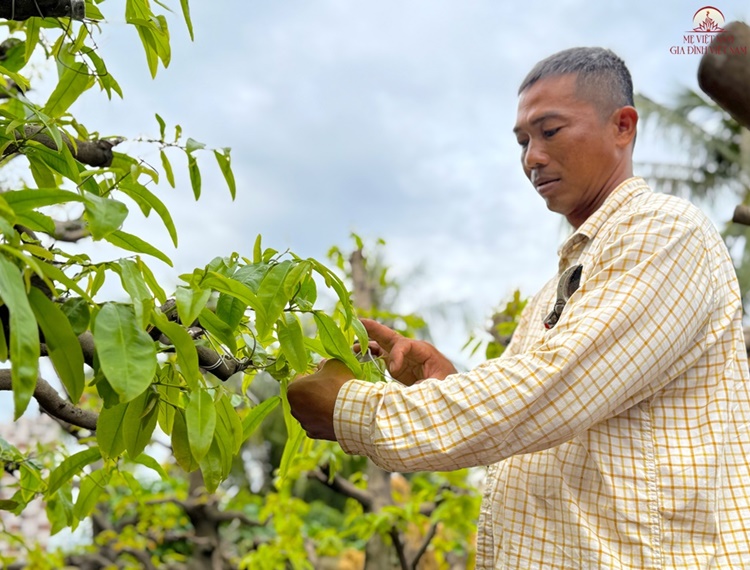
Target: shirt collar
[(572, 247)]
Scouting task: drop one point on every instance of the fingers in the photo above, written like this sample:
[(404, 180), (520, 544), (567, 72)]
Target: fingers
[(383, 335)]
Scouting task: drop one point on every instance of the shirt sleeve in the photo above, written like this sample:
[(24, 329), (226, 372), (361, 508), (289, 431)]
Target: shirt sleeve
[(634, 324)]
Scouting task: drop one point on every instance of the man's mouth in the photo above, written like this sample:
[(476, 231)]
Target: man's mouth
[(545, 184)]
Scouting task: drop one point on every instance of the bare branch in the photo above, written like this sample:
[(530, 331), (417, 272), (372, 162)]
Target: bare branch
[(399, 546), (742, 215), (341, 485), (71, 230), (52, 403), (24, 9), (425, 544)]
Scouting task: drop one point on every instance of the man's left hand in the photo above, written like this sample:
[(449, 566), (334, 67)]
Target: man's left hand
[(312, 398)]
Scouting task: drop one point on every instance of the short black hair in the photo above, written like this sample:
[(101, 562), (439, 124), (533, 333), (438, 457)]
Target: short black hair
[(602, 77)]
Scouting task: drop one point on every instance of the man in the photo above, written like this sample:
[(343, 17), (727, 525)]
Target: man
[(616, 424)]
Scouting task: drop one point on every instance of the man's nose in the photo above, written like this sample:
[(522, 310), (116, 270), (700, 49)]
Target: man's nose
[(535, 156)]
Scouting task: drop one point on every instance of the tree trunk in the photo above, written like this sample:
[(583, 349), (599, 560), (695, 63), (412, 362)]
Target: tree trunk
[(724, 74)]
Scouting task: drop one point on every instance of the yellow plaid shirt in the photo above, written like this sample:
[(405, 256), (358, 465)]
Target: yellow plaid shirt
[(619, 438)]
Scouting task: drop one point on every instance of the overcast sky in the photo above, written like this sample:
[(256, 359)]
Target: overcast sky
[(389, 119)]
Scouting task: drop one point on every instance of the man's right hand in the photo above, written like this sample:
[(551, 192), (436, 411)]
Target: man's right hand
[(408, 360)]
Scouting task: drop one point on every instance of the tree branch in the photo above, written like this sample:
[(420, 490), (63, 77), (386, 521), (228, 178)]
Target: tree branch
[(425, 544), (742, 215), (341, 485), (399, 546), (51, 402), (97, 153), (71, 230), (24, 9)]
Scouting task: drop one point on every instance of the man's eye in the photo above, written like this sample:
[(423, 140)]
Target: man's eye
[(523, 144), (551, 132)]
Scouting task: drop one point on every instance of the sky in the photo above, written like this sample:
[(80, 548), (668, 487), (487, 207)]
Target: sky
[(389, 119)]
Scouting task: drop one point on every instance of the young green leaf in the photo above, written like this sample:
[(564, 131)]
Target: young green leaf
[(216, 327), (212, 468), (226, 169), (195, 175), (135, 285), (103, 215), (200, 416), (90, 490), (63, 347), (33, 198), (109, 429), (292, 342), (167, 166), (139, 422), (180, 443), (187, 357), (190, 303), (253, 419), (24, 335), (186, 14), (231, 422), (71, 466), (134, 243), (335, 342), (74, 81), (127, 354)]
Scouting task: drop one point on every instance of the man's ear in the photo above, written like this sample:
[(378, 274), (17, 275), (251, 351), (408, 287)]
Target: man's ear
[(625, 121)]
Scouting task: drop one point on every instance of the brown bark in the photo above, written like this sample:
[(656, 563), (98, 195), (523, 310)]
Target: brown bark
[(24, 9), (52, 403), (724, 75), (96, 153)]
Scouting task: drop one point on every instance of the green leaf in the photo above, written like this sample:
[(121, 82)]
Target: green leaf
[(139, 422), (228, 417), (151, 463), (74, 81), (162, 125), (140, 193), (186, 13), (63, 347), (33, 198), (104, 215), (219, 329), (43, 175), (195, 176), (200, 416), (24, 335), (37, 222), (151, 281), (190, 302), (277, 288), (257, 252), (253, 419), (292, 341), (70, 467), (193, 145), (223, 284), (90, 490), (180, 443), (8, 505), (59, 509), (167, 166), (135, 285), (335, 343), (226, 169), (187, 357), (77, 311), (127, 354), (109, 429), (133, 243), (211, 467), (3, 345), (32, 37)]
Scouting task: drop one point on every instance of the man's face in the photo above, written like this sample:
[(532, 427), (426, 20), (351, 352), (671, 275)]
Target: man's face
[(568, 150)]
